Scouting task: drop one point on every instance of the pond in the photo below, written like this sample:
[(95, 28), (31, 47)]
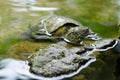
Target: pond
[(16, 15)]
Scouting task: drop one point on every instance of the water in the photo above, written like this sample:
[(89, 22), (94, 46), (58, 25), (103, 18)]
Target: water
[(16, 15)]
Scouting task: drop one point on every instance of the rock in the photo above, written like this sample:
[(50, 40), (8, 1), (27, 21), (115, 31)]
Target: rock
[(103, 45), (56, 60), (117, 47)]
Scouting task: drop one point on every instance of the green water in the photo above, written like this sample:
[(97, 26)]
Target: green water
[(15, 16)]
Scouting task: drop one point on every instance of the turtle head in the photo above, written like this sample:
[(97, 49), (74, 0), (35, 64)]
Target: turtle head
[(37, 29), (92, 36), (38, 33), (77, 34)]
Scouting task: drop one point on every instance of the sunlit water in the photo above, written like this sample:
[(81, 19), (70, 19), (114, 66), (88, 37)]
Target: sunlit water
[(28, 5)]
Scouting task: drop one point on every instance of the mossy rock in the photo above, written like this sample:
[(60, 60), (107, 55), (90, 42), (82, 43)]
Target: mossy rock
[(23, 49)]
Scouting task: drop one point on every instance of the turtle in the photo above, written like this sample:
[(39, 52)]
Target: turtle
[(54, 27)]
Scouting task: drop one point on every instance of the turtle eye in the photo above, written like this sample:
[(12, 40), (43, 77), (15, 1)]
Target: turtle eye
[(86, 30)]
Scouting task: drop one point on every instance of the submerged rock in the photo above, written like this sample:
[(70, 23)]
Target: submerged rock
[(57, 60), (104, 44)]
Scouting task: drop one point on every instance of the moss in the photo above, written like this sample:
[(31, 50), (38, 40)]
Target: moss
[(23, 49), (6, 44)]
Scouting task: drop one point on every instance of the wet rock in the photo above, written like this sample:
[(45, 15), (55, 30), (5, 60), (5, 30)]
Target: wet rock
[(56, 60), (117, 47), (23, 49), (103, 45), (117, 71)]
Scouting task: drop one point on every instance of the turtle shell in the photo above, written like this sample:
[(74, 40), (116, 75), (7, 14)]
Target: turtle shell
[(49, 24)]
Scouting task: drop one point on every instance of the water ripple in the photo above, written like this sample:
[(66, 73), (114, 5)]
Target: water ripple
[(24, 2)]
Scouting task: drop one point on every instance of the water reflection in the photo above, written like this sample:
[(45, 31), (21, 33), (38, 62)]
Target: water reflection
[(23, 2), (20, 9), (14, 69), (118, 2), (118, 13), (0, 19), (35, 8), (28, 5)]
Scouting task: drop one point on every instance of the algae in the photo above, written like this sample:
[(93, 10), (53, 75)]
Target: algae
[(23, 49)]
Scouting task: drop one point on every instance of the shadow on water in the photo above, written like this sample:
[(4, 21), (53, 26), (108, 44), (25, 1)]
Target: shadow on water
[(16, 15)]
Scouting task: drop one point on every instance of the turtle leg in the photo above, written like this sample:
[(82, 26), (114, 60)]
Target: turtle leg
[(39, 37), (93, 36)]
